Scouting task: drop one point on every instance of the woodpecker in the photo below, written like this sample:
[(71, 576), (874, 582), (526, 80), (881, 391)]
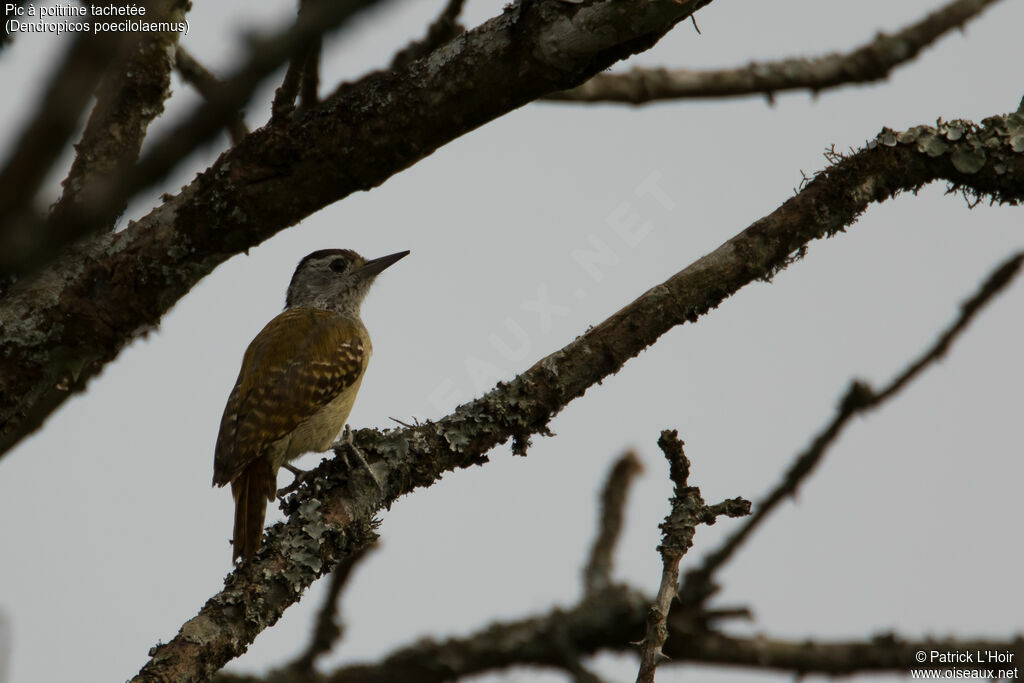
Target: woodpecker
[(297, 384)]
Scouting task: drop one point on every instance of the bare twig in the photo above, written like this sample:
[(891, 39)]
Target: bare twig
[(678, 529), (871, 62), (328, 629), (284, 97), (443, 29), (206, 84), (597, 574), (310, 92), (302, 75), (859, 398)]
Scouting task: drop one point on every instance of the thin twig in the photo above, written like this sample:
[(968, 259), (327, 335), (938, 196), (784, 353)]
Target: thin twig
[(859, 398), (443, 29), (206, 84), (310, 92), (302, 79), (678, 529), (284, 97), (597, 574), (869, 63), (286, 93)]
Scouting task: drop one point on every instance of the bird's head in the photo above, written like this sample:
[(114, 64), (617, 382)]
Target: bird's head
[(335, 279)]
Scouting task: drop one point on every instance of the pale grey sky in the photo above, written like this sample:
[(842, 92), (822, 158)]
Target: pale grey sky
[(114, 537)]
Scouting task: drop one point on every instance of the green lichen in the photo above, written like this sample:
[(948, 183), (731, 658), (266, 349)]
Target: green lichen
[(932, 145), (968, 159)]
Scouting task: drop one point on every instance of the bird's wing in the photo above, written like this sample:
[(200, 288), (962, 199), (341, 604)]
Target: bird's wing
[(295, 366)]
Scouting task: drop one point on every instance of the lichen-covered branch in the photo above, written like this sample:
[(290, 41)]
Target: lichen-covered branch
[(678, 529), (61, 326), (597, 574), (867, 64), (699, 585), (328, 629), (328, 518)]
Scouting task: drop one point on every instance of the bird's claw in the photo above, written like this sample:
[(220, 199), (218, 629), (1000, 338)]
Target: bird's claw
[(301, 476)]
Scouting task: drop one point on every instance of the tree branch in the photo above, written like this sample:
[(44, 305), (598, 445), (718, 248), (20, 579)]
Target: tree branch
[(867, 64), (111, 288), (284, 97), (309, 95), (859, 398), (303, 74), (324, 526), (597, 574), (886, 652), (608, 621), (678, 529)]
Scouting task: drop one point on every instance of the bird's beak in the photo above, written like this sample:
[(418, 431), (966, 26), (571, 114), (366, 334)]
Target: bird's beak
[(372, 268)]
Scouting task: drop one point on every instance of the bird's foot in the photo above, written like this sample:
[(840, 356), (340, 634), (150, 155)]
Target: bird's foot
[(301, 476), (346, 443)]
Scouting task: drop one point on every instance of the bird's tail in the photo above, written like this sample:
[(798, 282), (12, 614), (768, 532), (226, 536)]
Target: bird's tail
[(252, 489)]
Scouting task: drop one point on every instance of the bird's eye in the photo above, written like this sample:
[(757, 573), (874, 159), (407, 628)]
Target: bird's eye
[(338, 265)]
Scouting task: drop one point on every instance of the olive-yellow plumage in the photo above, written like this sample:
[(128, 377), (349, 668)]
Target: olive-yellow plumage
[(297, 384)]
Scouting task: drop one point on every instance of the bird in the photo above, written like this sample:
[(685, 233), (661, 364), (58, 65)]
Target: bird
[(297, 384)]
